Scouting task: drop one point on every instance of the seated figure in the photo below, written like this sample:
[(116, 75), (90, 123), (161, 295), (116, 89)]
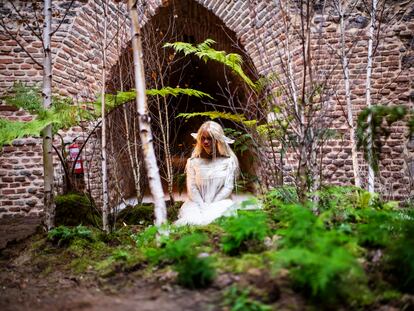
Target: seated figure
[(211, 174)]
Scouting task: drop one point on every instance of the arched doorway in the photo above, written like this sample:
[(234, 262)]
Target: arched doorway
[(185, 21)]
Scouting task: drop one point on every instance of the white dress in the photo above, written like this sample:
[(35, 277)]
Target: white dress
[(209, 187)]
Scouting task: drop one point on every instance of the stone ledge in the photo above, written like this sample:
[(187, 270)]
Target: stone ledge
[(17, 228)]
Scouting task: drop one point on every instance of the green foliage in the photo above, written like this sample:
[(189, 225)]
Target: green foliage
[(238, 118), (401, 255), (245, 232), (113, 101), (320, 261), (11, 130), (73, 209), (147, 237), (382, 117), (205, 52), (62, 236), (142, 214), (120, 255), (194, 270), (284, 194), (27, 98), (377, 228), (62, 114), (242, 141), (238, 300)]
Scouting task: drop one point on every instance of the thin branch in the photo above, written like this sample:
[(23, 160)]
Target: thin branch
[(18, 43), (63, 19)]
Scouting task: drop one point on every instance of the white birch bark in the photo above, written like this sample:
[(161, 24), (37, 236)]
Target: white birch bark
[(345, 68), (105, 206), (371, 176), (144, 119), (47, 132)]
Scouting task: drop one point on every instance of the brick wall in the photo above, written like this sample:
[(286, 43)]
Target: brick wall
[(257, 27)]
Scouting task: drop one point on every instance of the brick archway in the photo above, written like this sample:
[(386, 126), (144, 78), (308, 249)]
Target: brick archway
[(185, 21)]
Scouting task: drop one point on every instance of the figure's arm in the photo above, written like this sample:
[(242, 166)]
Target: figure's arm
[(192, 190), (228, 186)]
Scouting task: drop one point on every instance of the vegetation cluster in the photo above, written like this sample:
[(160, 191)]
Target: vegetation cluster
[(357, 252)]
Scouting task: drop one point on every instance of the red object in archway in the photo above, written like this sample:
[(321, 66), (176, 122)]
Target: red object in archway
[(73, 154)]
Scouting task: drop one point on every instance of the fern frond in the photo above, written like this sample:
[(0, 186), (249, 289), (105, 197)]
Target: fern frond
[(121, 98), (205, 52), (184, 47), (238, 118), (25, 97), (11, 130), (177, 91)]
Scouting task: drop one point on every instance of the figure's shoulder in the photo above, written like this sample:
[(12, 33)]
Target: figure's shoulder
[(192, 161)]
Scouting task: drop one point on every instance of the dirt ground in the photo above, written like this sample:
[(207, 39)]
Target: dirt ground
[(25, 287)]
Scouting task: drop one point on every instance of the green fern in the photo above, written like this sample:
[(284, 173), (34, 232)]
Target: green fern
[(205, 52), (25, 97), (400, 255), (63, 236), (323, 263), (245, 232), (194, 271), (121, 98), (238, 300), (237, 118)]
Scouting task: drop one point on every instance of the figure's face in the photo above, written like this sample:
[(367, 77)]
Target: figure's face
[(206, 142)]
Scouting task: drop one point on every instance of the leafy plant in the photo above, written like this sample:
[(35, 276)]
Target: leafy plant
[(244, 233), (25, 97), (242, 141), (194, 270), (377, 228), (63, 235), (401, 255), (120, 255), (285, 194), (321, 262), (112, 101), (205, 52), (237, 118), (238, 300), (382, 117)]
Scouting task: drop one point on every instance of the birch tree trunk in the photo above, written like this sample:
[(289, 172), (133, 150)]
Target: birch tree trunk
[(371, 176), (47, 132), (105, 210), (345, 68), (144, 119)]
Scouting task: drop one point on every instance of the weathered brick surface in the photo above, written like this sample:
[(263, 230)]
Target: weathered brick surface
[(258, 27)]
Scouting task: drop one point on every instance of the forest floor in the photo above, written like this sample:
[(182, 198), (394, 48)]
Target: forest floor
[(25, 285), (281, 256)]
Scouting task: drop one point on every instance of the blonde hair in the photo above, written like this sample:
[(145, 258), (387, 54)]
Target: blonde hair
[(220, 143)]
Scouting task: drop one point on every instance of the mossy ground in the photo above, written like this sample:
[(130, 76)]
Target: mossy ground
[(132, 263)]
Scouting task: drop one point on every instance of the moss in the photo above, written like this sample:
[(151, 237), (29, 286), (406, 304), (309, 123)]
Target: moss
[(74, 209), (143, 214), (241, 264)]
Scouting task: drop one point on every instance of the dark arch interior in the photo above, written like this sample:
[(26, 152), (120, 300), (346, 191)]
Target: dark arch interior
[(185, 21)]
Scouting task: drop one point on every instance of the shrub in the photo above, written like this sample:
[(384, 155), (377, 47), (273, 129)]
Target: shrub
[(143, 214), (321, 261), (239, 300), (194, 270), (284, 194), (73, 209), (244, 233), (401, 256), (62, 235)]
